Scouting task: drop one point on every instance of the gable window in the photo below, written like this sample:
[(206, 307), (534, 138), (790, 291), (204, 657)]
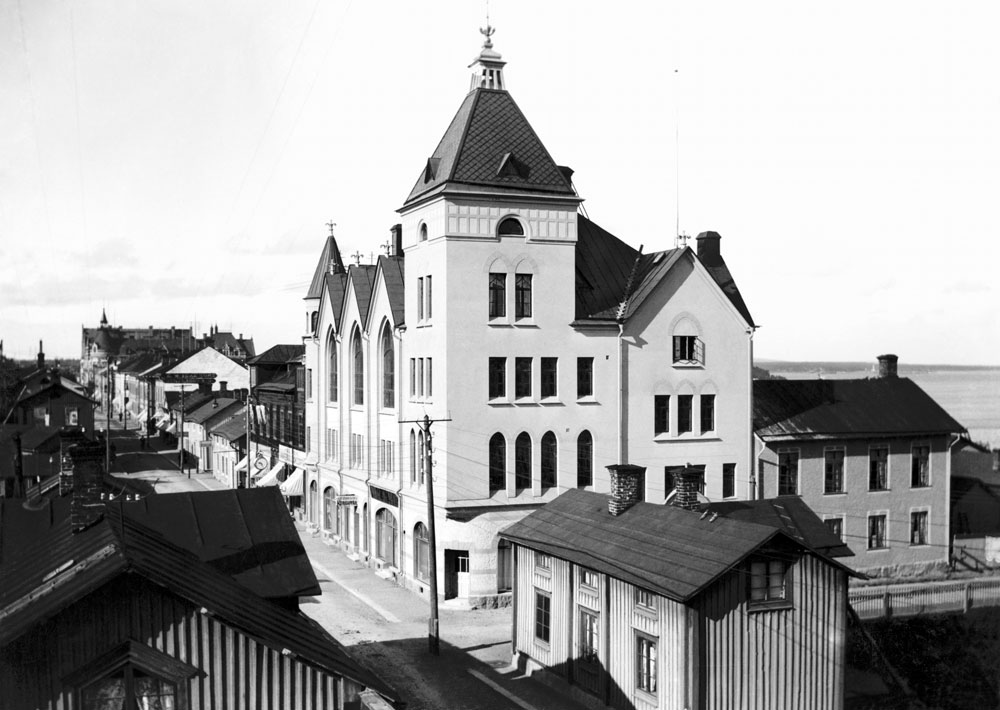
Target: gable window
[(661, 413), (543, 615), (645, 663), (132, 675), (522, 377), (833, 479), (331, 368), (359, 370), (522, 296), (588, 578), (878, 469), (549, 376), (707, 413), (918, 527), (522, 461), (728, 480), (584, 459), (876, 532), (920, 469), (835, 526), (689, 350), (498, 463), (788, 473), (549, 460), (388, 370), (510, 227), (685, 402), (498, 295), (498, 377), (584, 377), (769, 583)]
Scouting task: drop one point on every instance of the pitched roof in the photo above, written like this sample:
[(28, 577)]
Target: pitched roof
[(52, 567), (665, 549), (490, 143), (603, 265), (279, 355), (362, 277), (43, 380), (330, 262), (336, 287), (212, 408), (223, 341), (234, 429), (789, 514), (818, 409), (392, 276)]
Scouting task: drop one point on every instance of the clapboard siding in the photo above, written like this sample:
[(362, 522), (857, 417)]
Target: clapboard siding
[(237, 671), (778, 659)]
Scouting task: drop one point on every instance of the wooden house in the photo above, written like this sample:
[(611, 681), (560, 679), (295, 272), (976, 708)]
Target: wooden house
[(638, 605), (174, 601)]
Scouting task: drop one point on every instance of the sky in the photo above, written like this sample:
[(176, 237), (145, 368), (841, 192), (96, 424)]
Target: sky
[(176, 161)]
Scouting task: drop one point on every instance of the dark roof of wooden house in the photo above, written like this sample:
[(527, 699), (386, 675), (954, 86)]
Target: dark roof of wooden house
[(789, 514), (234, 429), (838, 409), (280, 354)]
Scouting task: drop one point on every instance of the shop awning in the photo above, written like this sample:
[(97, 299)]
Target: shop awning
[(293, 486), (160, 417), (242, 465), (172, 429), (271, 479), (141, 416)]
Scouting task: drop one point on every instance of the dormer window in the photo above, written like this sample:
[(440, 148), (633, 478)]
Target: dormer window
[(510, 227)]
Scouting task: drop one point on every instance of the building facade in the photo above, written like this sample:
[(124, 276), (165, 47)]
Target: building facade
[(509, 349)]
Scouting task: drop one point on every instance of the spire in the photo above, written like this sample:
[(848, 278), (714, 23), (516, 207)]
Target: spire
[(104, 319), (487, 68), (335, 264)]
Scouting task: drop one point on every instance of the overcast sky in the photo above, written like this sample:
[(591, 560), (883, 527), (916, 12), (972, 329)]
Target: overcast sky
[(175, 162)]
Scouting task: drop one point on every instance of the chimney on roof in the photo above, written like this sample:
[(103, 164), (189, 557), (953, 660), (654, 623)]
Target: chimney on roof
[(887, 365), (397, 239), (223, 387), (628, 484), (687, 482), (708, 248), (41, 356), (86, 506)]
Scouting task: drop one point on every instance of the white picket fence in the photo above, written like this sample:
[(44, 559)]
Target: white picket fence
[(873, 602)]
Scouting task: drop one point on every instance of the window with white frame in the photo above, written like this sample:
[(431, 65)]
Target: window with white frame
[(833, 479), (688, 350), (835, 526), (918, 527), (522, 296), (877, 538), (543, 615), (770, 582), (498, 295), (920, 469), (788, 472), (878, 468), (645, 663), (588, 578)]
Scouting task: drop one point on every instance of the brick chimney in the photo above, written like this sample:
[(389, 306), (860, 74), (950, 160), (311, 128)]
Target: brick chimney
[(709, 251), (687, 483), (628, 484), (887, 365), (397, 240), (41, 356), (86, 507), (223, 387)]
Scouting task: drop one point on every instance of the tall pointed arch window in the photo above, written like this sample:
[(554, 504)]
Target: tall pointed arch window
[(359, 369), (584, 459), (331, 368), (549, 459), (522, 461), (388, 370), (498, 463)]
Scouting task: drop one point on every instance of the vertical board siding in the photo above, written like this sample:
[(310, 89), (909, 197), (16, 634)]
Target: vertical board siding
[(238, 671), (782, 659)]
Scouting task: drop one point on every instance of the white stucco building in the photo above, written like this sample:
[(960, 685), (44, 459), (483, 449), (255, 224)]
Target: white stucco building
[(542, 348)]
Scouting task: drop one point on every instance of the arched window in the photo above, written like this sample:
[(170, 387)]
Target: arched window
[(421, 458), (498, 463), (584, 459), (359, 369), (331, 367), (413, 456), (423, 232), (510, 227), (313, 321), (385, 536), (522, 461), (313, 503), (549, 459), (421, 553), (329, 510), (388, 370)]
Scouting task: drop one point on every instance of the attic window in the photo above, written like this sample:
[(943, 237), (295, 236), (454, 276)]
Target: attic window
[(510, 227), (512, 167), (430, 170)]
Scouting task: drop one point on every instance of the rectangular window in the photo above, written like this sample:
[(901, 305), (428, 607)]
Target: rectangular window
[(836, 527), (498, 377), (543, 562), (645, 663), (920, 471), (589, 636), (728, 480), (878, 469), (769, 583), (309, 382), (420, 377), (543, 616), (413, 377), (430, 299), (707, 413), (584, 377), (430, 378), (643, 598), (549, 376), (876, 532), (788, 473), (918, 527), (588, 578), (833, 480), (688, 350), (420, 298), (498, 295), (522, 377), (72, 416), (661, 413), (684, 405), (522, 296)]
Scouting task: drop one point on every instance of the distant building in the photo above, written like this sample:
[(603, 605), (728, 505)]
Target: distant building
[(123, 604), (869, 456), (738, 605)]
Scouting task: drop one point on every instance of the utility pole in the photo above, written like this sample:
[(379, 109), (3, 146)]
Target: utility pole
[(107, 431), (433, 634), (180, 437)]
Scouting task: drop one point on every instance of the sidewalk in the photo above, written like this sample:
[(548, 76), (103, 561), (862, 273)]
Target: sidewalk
[(385, 627)]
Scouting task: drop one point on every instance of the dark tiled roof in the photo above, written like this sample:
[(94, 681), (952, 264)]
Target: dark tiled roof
[(488, 127), (790, 515), (885, 406), (603, 265), (279, 355), (213, 408), (336, 286), (392, 274), (234, 429), (720, 272), (362, 277), (190, 401), (668, 550), (330, 252)]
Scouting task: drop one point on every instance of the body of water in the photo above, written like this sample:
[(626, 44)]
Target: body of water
[(970, 396)]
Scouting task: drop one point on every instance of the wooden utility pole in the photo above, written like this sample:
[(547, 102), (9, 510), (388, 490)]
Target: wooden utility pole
[(433, 635)]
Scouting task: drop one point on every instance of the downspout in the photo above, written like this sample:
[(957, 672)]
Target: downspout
[(622, 409), (947, 495), (754, 488)]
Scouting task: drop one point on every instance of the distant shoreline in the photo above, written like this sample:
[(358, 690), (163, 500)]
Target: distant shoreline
[(833, 366)]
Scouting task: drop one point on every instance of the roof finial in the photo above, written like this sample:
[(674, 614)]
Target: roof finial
[(488, 32), (331, 224)]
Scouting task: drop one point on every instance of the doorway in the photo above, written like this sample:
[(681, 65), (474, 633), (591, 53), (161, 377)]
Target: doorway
[(456, 574)]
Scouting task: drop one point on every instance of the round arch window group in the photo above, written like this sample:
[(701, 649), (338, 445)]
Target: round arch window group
[(548, 462)]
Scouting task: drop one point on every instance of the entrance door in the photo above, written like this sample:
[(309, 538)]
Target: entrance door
[(456, 574)]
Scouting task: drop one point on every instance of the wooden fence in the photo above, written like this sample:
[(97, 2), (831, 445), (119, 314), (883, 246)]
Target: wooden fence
[(880, 601)]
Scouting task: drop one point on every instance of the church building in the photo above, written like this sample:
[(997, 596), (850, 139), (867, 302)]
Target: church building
[(510, 349)]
